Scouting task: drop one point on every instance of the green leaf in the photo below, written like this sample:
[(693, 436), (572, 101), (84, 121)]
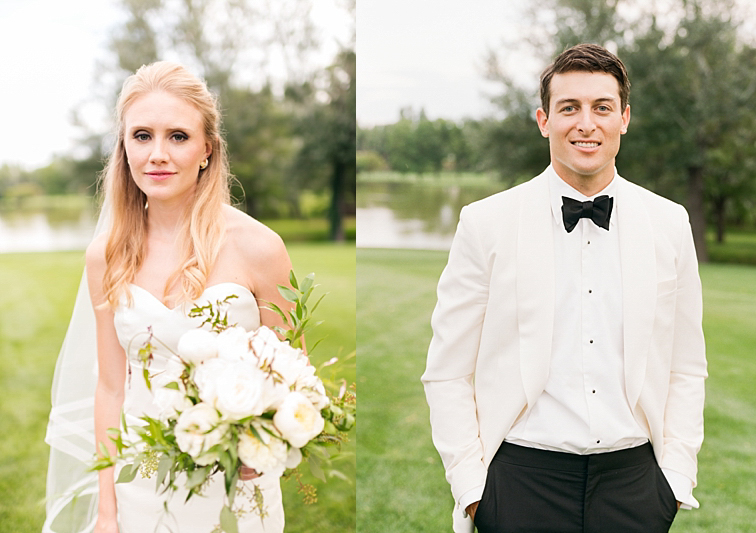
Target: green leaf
[(104, 450), (228, 520), (307, 283), (164, 465), (231, 477), (310, 349), (172, 386), (197, 478), (146, 375), (254, 432), (293, 279), (315, 468), (288, 294), (278, 311), (128, 473), (317, 303)]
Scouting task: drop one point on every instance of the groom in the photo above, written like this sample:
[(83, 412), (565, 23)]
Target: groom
[(566, 373)]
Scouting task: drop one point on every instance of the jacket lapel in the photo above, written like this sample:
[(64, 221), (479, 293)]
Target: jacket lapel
[(535, 285), (638, 259)]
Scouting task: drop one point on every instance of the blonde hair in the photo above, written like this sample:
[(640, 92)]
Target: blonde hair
[(203, 227)]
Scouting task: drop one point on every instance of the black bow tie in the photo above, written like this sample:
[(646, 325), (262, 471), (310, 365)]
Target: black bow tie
[(598, 210)]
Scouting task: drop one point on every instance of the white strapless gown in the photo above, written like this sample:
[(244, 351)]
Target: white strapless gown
[(140, 509)]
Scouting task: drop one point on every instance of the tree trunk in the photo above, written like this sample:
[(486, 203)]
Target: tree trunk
[(696, 211), (336, 211), (719, 209)]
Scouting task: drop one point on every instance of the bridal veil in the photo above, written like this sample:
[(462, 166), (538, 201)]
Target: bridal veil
[(72, 489)]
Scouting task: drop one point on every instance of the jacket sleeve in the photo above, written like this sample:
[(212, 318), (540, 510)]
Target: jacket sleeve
[(683, 416), (449, 376)]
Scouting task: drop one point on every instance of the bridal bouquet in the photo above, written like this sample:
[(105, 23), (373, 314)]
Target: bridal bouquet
[(232, 398)]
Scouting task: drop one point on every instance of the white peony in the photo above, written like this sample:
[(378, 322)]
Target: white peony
[(233, 344), (197, 346), (240, 391), (198, 429), (294, 458), (298, 420), (268, 456), (206, 378)]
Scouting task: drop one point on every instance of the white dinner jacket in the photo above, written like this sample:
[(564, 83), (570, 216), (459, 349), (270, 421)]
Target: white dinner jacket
[(489, 357)]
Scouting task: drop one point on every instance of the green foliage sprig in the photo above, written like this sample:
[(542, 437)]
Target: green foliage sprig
[(298, 320)]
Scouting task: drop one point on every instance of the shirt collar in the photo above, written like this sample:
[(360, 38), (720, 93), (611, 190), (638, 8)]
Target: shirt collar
[(558, 188)]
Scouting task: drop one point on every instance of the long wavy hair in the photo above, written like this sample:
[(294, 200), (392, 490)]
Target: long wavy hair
[(203, 227)]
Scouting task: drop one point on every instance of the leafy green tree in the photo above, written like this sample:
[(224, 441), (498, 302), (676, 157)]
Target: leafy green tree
[(328, 131), (692, 75)]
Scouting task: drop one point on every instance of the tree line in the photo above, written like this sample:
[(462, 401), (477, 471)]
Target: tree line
[(291, 135), (692, 136)]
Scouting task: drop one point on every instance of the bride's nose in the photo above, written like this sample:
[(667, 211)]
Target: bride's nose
[(158, 154)]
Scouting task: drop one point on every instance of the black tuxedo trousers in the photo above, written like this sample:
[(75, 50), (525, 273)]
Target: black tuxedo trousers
[(537, 491)]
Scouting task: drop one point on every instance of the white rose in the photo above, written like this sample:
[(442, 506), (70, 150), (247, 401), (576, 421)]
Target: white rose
[(240, 390), (291, 364), (197, 345), (265, 344), (267, 456), (206, 378), (274, 393), (170, 402), (233, 344), (298, 420), (198, 429), (314, 390)]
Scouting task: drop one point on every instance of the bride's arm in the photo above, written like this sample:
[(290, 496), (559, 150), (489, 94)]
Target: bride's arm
[(265, 264), (270, 271), (111, 361)]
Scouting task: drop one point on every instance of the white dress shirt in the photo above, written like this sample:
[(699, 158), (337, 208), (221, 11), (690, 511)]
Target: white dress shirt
[(584, 408)]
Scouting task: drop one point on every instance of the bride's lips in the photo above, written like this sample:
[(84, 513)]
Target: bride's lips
[(159, 175)]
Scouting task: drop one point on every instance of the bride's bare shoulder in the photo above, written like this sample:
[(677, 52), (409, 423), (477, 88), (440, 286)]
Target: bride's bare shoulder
[(251, 238), (95, 254)]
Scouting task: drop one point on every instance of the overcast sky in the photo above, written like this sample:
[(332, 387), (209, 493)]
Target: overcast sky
[(416, 53), (48, 53), (430, 54)]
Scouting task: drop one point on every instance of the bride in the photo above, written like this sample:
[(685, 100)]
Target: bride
[(173, 239)]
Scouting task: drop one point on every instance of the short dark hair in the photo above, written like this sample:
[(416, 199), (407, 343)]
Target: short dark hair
[(586, 58)]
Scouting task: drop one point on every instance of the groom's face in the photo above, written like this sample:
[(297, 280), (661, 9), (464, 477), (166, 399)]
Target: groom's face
[(584, 125)]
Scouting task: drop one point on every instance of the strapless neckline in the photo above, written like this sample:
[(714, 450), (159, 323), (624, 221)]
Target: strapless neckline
[(207, 289)]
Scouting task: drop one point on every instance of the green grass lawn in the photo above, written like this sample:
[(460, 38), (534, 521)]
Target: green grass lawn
[(401, 485), (739, 246), (36, 297)]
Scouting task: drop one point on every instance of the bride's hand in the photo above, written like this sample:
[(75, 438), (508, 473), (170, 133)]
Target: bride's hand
[(247, 474)]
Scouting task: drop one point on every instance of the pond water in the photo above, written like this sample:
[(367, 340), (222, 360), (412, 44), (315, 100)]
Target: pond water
[(420, 215), (45, 230)]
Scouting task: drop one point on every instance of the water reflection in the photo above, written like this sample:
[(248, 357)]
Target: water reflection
[(421, 215), (43, 230)]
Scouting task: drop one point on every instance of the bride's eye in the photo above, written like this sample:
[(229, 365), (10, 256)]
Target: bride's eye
[(142, 136), (180, 137)]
